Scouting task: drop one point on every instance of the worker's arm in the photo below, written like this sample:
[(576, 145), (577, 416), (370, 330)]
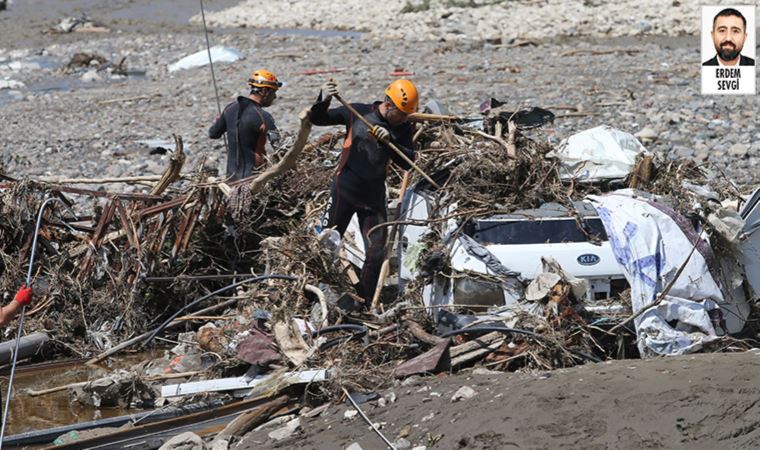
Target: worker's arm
[(404, 141), (273, 134), (9, 311), (322, 115), (218, 128)]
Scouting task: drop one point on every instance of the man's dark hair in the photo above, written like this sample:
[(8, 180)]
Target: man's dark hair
[(730, 12)]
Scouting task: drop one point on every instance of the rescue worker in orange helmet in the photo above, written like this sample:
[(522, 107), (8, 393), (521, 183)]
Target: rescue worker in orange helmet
[(248, 126), (358, 186)]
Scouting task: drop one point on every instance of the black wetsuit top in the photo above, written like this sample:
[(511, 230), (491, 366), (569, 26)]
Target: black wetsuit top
[(247, 126), (363, 163)]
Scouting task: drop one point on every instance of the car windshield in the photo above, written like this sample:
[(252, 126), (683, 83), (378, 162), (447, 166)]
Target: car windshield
[(544, 231)]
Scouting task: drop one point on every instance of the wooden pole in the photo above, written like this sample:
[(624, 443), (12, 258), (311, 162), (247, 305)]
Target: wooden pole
[(169, 376), (389, 246)]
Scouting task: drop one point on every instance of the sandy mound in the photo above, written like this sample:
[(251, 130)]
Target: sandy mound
[(700, 401)]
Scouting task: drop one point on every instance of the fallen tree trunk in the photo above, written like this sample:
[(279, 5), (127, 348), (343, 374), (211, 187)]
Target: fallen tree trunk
[(289, 160), (172, 172)]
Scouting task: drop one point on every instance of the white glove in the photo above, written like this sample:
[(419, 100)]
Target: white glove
[(380, 133), (330, 89)]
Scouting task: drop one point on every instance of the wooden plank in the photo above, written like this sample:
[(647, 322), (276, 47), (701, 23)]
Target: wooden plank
[(477, 343), (171, 204), (476, 354), (120, 438), (91, 193)]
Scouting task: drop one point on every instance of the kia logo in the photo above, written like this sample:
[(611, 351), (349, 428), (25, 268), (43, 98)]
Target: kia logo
[(588, 259)]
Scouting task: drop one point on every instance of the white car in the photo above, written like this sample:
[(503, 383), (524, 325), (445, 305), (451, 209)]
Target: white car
[(510, 247)]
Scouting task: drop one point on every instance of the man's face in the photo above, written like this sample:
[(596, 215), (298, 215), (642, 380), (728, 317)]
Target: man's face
[(728, 36), (395, 116), (268, 97)]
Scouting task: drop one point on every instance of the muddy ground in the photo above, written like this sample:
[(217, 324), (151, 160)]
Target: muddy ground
[(57, 124), (699, 401)]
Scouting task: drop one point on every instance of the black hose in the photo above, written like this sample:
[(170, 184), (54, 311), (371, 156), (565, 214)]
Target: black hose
[(518, 331), (346, 326), (361, 331), (209, 295)]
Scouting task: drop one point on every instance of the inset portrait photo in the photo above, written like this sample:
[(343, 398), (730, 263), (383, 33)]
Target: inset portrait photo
[(728, 49)]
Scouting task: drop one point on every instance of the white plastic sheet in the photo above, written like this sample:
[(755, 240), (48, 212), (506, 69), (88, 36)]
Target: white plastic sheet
[(218, 54), (597, 154), (651, 242)]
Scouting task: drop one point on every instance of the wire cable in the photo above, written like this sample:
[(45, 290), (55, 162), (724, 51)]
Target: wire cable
[(21, 316), (213, 74)]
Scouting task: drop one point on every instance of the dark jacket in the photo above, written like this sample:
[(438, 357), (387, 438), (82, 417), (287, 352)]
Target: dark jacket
[(247, 126), (363, 161), (743, 61)]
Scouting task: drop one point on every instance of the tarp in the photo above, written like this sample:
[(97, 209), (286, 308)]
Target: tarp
[(219, 54), (651, 242), (597, 154)]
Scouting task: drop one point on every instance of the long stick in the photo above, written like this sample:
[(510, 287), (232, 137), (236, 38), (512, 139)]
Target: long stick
[(390, 144), (369, 422), (101, 180), (169, 376), (389, 246)]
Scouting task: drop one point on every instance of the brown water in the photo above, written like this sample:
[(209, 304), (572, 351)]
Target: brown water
[(52, 410)]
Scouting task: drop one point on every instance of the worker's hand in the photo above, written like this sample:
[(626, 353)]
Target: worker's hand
[(380, 133), (330, 89), (24, 295)]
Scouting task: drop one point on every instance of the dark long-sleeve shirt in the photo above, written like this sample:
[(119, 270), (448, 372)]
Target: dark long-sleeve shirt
[(362, 154), (248, 127)]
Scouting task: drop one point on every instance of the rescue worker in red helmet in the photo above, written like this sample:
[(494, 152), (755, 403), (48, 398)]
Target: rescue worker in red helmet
[(248, 126), (358, 186), (23, 298)]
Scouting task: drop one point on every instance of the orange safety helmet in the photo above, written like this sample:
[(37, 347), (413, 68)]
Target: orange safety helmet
[(404, 95), (264, 79)]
